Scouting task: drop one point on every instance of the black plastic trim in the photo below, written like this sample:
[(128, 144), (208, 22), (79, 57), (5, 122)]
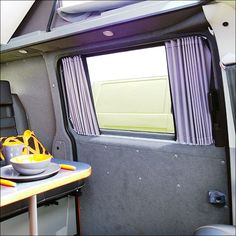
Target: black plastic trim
[(52, 14), (138, 134)]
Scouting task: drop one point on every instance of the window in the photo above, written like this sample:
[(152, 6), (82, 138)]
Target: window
[(131, 90)]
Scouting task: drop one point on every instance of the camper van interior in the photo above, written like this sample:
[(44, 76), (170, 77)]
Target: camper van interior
[(117, 117)]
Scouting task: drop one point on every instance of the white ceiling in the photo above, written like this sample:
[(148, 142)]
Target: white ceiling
[(12, 13)]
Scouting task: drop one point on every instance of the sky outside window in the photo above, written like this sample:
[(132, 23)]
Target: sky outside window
[(128, 65)]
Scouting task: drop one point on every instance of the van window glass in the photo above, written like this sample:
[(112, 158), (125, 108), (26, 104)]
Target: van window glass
[(131, 90)]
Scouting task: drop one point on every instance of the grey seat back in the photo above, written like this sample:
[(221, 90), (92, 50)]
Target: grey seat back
[(13, 119)]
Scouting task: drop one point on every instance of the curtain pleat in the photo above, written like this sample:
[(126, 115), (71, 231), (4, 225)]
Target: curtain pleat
[(189, 64), (231, 78), (81, 110)]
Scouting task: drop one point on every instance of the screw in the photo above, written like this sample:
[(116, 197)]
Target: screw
[(225, 24)]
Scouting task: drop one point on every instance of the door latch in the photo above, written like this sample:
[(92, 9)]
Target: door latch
[(216, 198)]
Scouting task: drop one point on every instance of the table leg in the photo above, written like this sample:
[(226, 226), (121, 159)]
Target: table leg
[(77, 212), (33, 218)]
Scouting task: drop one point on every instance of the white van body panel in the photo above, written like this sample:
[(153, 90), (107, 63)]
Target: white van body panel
[(13, 13)]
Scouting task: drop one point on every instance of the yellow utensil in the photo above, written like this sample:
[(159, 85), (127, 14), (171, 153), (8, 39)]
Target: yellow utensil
[(7, 183), (67, 167), (26, 136)]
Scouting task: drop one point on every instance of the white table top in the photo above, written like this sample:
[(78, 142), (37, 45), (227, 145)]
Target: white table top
[(28, 189)]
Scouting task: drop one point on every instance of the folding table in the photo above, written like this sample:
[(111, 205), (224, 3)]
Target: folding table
[(31, 189)]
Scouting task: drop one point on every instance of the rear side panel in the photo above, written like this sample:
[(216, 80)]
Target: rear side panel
[(150, 187)]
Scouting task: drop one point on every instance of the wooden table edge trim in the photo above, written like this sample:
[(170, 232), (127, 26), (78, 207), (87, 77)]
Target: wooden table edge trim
[(46, 187)]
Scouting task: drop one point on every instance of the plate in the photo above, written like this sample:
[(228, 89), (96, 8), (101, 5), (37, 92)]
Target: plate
[(7, 172)]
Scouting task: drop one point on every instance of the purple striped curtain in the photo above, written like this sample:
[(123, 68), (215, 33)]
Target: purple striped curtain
[(81, 109), (189, 64)]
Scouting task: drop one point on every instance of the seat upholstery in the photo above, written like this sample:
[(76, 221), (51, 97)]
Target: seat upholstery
[(13, 119), (21, 120), (7, 121)]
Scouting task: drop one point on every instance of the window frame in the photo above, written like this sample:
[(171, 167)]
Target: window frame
[(130, 133), (220, 134)]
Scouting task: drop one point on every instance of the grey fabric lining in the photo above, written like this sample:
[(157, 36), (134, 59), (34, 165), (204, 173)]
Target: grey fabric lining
[(143, 187)]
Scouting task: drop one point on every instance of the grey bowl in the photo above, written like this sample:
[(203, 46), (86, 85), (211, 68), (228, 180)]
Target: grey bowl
[(31, 164)]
